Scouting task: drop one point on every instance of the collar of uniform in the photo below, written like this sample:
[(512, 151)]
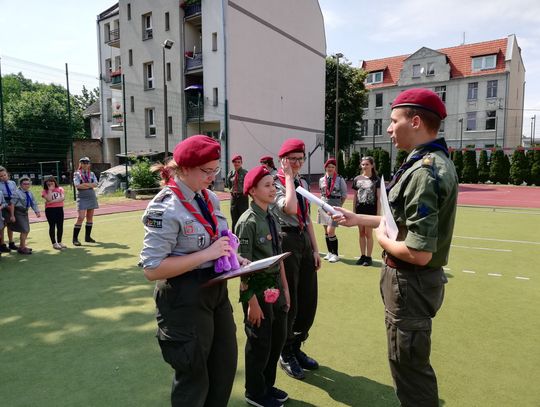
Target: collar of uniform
[(189, 194), (257, 209)]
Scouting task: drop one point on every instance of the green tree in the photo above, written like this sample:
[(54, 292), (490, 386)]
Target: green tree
[(519, 169), (483, 167), (457, 158), (496, 168), (352, 97), (353, 165), (469, 173), (141, 176), (401, 156), (383, 167), (535, 169)]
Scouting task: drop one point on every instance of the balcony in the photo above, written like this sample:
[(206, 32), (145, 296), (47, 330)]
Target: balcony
[(194, 106), (117, 123), (193, 61), (116, 79), (192, 9), (114, 38)]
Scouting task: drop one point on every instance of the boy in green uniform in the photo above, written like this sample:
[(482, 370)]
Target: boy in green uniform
[(422, 197), (265, 322)]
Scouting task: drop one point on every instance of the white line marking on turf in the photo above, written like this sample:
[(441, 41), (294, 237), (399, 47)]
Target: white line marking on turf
[(469, 271), (497, 240), (481, 248), (522, 278), (495, 274)]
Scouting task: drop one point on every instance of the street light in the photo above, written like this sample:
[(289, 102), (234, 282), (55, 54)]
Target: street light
[(167, 44), (336, 132), (461, 134)]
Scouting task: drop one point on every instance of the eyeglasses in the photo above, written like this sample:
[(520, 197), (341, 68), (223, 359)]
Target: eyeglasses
[(299, 160), (209, 172)]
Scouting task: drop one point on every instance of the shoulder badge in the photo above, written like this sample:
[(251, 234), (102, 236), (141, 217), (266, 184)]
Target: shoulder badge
[(163, 194), (427, 161)]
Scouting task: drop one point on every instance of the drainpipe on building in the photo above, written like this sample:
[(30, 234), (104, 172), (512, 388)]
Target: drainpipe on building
[(505, 115), (101, 108), (224, 4)]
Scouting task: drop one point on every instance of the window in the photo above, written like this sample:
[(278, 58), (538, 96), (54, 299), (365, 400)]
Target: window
[(485, 62), (107, 32), (471, 121), (130, 57), (416, 71), (430, 69), (132, 104), (441, 91), (214, 41), (109, 109), (148, 69), (147, 26), (378, 100), (117, 62), (168, 69), (108, 69), (167, 26), (374, 77), (364, 128), (150, 122), (169, 124), (492, 89), (129, 11), (472, 93), (377, 127), (491, 120), (441, 128), (215, 100)]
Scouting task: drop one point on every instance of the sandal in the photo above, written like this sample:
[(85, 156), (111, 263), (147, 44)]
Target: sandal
[(24, 250)]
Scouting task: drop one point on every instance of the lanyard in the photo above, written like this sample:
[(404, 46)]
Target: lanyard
[(301, 208), (212, 230)]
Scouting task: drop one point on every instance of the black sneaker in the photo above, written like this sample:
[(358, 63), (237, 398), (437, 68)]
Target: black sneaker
[(89, 240), (305, 361), (367, 261), (76, 243), (291, 366), (266, 401), (278, 394), (4, 248), (360, 261), (13, 246)]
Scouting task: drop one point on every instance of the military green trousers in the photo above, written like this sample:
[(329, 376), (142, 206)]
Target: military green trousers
[(411, 300)]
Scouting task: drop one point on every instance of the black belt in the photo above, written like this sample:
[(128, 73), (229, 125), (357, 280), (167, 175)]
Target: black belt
[(395, 263), (293, 229), (334, 197), (236, 194)]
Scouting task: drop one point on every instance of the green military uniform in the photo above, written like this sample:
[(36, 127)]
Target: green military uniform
[(239, 201), (423, 203), (259, 240)]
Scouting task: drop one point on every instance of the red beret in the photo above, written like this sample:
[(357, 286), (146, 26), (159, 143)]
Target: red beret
[(330, 161), (237, 157), (292, 145), (196, 150), (253, 177), (422, 98), (266, 158)]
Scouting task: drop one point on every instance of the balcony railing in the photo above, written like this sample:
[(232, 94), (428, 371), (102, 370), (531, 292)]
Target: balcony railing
[(114, 38), (147, 34), (191, 10), (193, 60), (116, 79), (194, 107)]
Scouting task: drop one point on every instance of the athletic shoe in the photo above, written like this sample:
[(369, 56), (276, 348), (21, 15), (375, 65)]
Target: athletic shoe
[(89, 240), (266, 401), (4, 248), (291, 366), (328, 256), (57, 246), (278, 394), (334, 258), (360, 261), (76, 243), (62, 246), (305, 361), (367, 261), (13, 246)]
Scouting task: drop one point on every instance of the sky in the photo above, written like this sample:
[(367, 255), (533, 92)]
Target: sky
[(53, 33)]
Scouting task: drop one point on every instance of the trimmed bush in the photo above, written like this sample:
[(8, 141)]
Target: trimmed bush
[(400, 159), (457, 159), (483, 167), (383, 167), (141, 175), (519, 169), (469, 173), (535, 169), (353, 166)]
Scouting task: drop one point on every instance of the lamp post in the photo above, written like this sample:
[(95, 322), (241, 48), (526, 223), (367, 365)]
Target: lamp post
[(461, 133), (167, 44), (336, 132)]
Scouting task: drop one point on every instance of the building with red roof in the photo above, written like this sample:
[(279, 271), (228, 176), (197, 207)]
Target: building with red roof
[(482, 86)]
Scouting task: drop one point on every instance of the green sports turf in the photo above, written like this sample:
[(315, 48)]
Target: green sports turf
[(77, 327)]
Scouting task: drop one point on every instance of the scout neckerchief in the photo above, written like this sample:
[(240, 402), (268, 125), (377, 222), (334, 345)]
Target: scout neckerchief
[(28, 199), (330, 188), (235, 184), (301, 208), (86, 178), (7, 189), (210, 220), (439, 144)]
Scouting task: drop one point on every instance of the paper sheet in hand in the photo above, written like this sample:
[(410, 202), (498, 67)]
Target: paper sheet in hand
[(391, 227), (317, 201), (254, 267)]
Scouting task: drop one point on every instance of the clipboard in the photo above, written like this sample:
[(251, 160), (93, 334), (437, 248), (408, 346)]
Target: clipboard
[(254, 267)]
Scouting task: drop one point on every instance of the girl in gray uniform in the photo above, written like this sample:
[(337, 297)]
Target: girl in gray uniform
[(196, 330), (85, 181), (333, 191), (23, 199)]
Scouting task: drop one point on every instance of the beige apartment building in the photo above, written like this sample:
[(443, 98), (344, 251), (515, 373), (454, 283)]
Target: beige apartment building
[(242, 71), (482, 85)]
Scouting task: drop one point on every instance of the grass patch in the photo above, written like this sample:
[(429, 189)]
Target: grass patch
[(77, 327)]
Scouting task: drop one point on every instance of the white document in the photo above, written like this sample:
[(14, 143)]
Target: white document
[(391, 227), (317, 201)]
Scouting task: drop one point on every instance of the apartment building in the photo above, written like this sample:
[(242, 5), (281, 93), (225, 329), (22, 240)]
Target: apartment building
[(243, 71), (481, 84)]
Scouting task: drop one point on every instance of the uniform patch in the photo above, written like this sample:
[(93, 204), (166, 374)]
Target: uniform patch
[(155, 214), (154, 223), (427, 161), (244, 241), (423, 210), (189, 229), (262, 239), (201, 240)]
